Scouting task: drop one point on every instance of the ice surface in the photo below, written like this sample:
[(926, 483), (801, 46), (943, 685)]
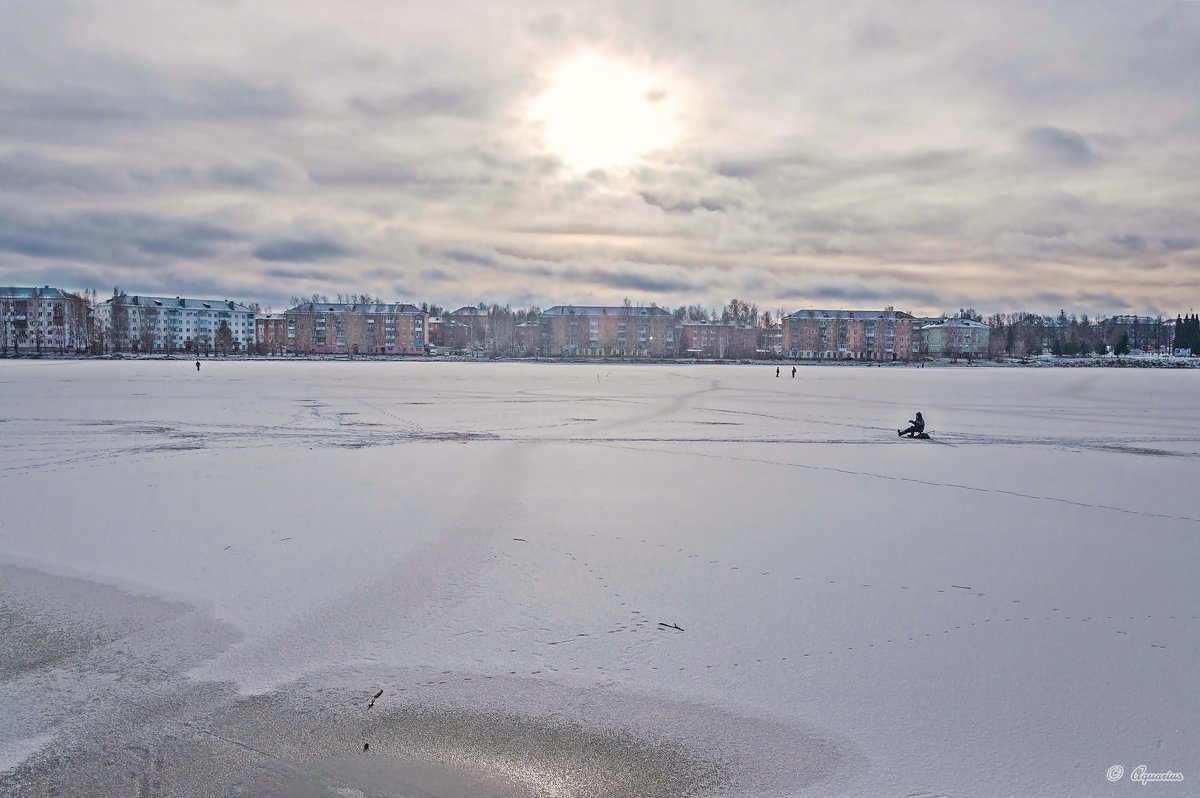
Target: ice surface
[(212, 573)]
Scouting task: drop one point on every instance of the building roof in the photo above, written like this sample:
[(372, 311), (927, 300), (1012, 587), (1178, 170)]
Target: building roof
[(469, 310), (179, 303), (395, 308), (46, 292), (605, 310), (865, 315), (959, 323), (1133, 320), (738, 325)]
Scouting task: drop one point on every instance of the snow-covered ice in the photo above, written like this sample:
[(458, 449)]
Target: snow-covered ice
[(204, 577)]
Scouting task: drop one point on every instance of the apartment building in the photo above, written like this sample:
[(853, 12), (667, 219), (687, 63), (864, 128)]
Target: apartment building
[(447, 335), (478, 324), (882, 335), (42, 320), (351, 329), (720, 339), (953, 338), (607, 331), (175, 324), (1146, 333), (270, 333)]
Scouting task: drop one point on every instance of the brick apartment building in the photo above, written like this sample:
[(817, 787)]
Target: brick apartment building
[(445, 334), (270, 333), (850, 335), (349, 329), (607, 331), (478, 324)]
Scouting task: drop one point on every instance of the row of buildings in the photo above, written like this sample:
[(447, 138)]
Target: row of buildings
[(49, 319)]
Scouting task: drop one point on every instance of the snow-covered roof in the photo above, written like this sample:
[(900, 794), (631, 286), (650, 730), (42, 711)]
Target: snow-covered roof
[(1133, 320), (959, 323), (469, 310), (865, 315), (604, 310), (395, 308), (46, 292), (181, 303), (740, 325)]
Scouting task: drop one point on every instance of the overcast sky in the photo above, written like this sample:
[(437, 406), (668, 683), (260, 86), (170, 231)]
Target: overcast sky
[(1002, 155)]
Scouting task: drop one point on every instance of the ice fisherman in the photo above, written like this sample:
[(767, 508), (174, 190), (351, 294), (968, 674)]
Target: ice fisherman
[(197, 365), (777, 371), (917, 426), (793, 372)]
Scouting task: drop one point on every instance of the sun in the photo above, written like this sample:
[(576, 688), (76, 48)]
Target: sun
[(601, 113)]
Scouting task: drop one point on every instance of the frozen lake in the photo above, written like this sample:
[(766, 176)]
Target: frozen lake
[(205, 577)]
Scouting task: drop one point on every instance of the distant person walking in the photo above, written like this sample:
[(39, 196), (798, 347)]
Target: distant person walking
[(793, 372), (777, 371), (197, 365)]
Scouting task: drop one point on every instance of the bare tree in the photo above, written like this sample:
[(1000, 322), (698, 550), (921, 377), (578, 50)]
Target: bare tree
[(118, 321)]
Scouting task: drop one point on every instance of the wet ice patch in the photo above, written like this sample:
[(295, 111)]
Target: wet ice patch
[(14, 752)]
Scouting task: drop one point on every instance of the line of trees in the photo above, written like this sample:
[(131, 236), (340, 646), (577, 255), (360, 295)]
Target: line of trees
[(1187, 333), (1024, 333)]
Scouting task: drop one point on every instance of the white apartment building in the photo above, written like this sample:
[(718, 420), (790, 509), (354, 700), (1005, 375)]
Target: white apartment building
[(41, 320), (175, 324)]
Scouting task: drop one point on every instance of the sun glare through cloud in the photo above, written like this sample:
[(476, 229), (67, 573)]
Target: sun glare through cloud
[(601, 113)]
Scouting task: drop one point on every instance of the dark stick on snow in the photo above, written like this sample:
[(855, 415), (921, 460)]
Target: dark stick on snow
[(227, 548), (961, 587), (371, 703), (282, 539), (670, 625), (520, 539)]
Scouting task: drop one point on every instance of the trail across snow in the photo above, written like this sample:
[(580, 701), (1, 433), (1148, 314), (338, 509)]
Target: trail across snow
[(215, 571)]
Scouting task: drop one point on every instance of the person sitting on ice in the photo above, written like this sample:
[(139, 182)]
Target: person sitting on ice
[(917, 426)]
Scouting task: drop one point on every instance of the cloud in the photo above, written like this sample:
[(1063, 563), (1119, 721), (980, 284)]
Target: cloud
[(110, 236), (470, 102), (473, 258), (939, 156), (1055, 146), (635, 281), (684, 206), (302, 250)]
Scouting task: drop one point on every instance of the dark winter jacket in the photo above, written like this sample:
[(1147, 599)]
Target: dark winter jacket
[(919, 423)]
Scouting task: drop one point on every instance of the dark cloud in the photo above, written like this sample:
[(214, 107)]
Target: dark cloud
[(110, 236), (841, 294), (472, 102), (1130, 243), (322, 275), (302, 250), (1180, 243), (472, 258), (134, 98), (641, 282), (1059, 147), (257, 175), (686, 206), (29, 171)]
